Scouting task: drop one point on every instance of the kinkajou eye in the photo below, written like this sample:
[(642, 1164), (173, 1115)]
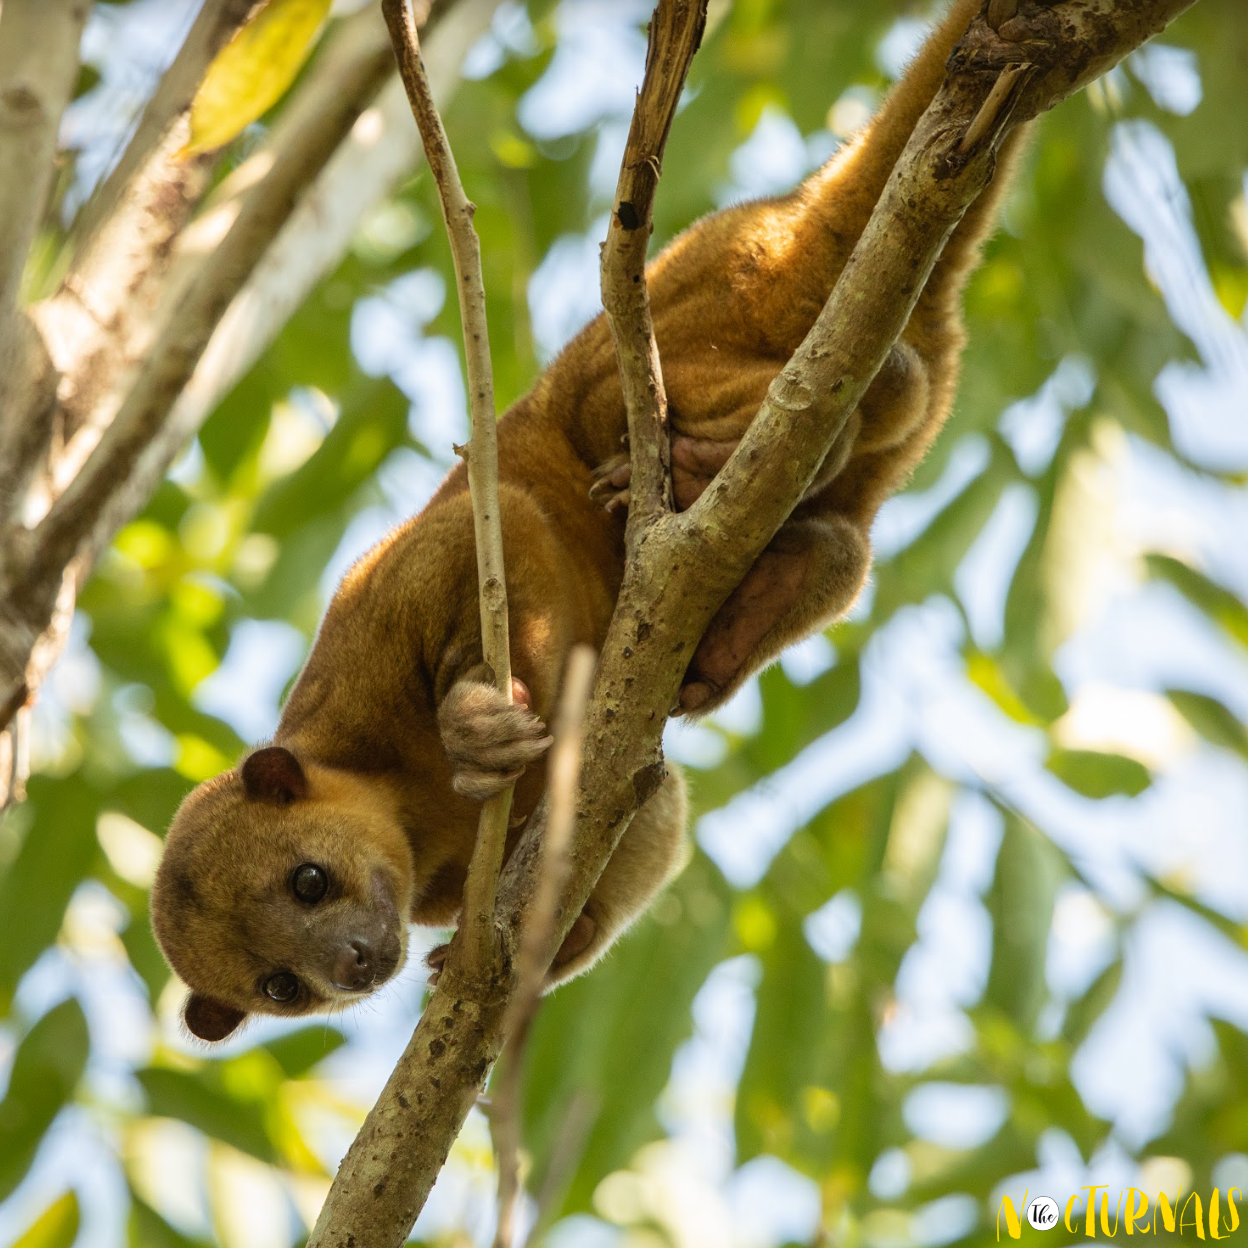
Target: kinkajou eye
[(282, 987), (309, 883)]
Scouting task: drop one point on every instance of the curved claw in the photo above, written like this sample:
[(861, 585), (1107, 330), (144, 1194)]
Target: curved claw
[(611, 482)]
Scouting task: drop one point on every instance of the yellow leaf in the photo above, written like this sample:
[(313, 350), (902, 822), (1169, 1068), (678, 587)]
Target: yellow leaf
[(513, 151), (56, 1227), (1231, 287), (252, 72), (985, 672), (755, 924)]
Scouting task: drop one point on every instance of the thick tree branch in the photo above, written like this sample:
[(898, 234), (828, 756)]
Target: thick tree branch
[(28, 382), (95, 502), (476, 927), (681, 569), (38, 67), (994, 85), (675, 33), (1070, 43)]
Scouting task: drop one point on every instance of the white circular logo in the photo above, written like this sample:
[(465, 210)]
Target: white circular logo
[(1042, 1213)]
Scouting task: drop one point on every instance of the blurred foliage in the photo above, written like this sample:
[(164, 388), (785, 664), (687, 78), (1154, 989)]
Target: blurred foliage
[(309, 441)]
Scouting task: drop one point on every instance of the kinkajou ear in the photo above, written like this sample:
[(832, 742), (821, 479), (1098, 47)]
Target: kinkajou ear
[(274, 775), (208, 1019)]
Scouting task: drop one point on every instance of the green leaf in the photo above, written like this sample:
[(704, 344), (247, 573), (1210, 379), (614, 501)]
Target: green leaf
[(813, 1091), (46, 1069), (927, 565), (372, 423), (795, 716), (298, 1052), (1235, 931), (783, 1105), (1083, 1012), (1096, 774), (55, 1227), (978, 1171), (55, 856), (1042, 692), (1217, 602), (203, 1103), (149, 1230), (986, 673), (144, 953), (1027, 644), (152, 796), (1020, 901), (252, 72), (1214, 721)]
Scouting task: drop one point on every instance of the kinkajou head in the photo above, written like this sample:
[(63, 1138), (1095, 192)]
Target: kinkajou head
[(283, 890)]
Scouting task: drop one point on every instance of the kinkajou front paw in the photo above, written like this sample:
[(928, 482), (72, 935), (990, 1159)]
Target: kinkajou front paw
[(488, 739)]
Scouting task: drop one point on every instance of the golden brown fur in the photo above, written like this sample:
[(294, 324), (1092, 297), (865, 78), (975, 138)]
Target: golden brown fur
[(389, 724)]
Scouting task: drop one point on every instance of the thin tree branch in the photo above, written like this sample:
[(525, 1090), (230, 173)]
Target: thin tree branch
[(476, 928), (537, 939), (675, 33), (1071, 42), (15, 758), (673, 583), (566, 1153), (1000, 98)]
